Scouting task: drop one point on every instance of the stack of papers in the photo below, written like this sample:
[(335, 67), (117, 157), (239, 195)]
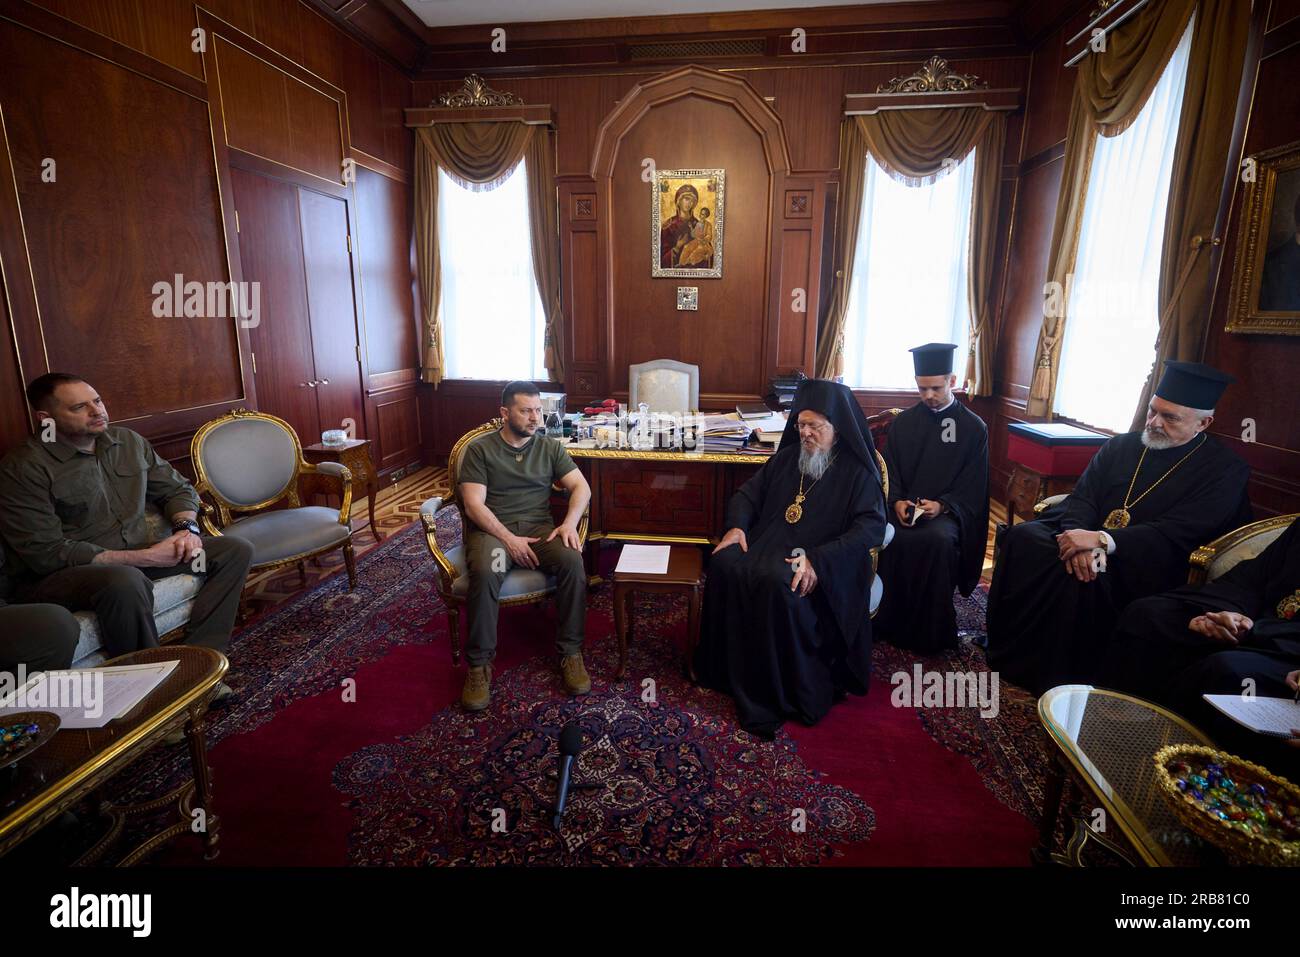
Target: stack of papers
[(87, 697), (722, 433), (1275, 717), (644, 559)]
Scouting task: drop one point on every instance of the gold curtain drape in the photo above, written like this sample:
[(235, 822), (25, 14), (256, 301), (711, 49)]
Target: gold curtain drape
[(543, 224), (1110, 90), (480, 156), (916, 147), (853, 167)]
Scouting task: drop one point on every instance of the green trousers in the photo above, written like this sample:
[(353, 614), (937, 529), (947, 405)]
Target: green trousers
[(488, 564)]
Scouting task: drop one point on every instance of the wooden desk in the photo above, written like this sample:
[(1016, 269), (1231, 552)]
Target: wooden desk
[(676, 497)]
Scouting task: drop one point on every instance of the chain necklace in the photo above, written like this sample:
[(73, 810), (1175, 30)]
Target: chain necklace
[(1120, 517), (795, 511)]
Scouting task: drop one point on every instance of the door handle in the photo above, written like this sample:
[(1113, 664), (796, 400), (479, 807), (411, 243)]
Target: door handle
[(311, 384), (324, 381)]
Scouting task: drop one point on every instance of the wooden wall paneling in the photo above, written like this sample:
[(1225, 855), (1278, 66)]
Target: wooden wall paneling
[(271, 253), (331, 306), (158, 28), (384, 252), (1261, 362), (691, 118), (397, 427), (269, 107), (581, 292), (802, 205), (135, 210)]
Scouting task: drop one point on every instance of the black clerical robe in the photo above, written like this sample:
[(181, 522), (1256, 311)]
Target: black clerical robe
[(942, 456), (1045, 627), (779, 655), (1155, 655)]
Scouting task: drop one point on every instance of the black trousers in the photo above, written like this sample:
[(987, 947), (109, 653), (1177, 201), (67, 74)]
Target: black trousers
[(121, 596), (39, 637)]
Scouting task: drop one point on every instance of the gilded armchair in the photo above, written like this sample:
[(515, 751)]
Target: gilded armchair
[(250, 462), (1215, 559), (522, 586)]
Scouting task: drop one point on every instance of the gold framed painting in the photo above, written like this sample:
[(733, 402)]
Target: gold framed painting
[(1266, 276), (687, 208)]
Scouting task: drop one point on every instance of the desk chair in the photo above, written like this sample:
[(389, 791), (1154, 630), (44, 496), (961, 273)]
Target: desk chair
[(665, 385)]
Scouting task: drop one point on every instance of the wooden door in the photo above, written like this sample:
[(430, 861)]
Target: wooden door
[(332, 311), (271, 250)]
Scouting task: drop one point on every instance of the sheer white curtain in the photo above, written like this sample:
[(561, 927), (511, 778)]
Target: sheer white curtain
[(909, 275), (1112, 316), (492, 318)]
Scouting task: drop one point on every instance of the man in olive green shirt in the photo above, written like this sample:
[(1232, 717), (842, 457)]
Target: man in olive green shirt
[(72, 502), (505, 482)]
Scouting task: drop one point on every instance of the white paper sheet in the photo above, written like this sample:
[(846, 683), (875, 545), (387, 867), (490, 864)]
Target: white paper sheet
[(1272, 716), (88, 697), (644, 559)]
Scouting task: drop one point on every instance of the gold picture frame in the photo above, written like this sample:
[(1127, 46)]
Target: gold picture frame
[(687, 215), (1265, 295)]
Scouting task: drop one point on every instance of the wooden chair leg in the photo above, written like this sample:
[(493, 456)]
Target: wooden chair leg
[(350, 559), (453, 628), (302, 572)]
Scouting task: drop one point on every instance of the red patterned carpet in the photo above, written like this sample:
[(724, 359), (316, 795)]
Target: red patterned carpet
[(345, 745)]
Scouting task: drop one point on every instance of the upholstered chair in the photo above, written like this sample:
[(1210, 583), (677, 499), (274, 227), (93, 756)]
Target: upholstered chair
[(249, 463), (1217, 558), (665, 385), (522, 586)]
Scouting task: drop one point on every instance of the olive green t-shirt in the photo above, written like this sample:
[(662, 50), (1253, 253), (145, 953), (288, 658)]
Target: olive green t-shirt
[(518, 480)]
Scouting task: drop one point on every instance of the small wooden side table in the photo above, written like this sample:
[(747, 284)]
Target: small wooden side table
[(684, 575), (355, 455)]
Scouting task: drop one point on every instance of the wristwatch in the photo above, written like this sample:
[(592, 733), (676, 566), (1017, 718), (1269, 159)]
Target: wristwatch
[(186, 525)]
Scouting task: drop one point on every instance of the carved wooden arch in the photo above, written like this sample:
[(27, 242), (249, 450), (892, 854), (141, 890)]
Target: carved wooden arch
[(690, 81)]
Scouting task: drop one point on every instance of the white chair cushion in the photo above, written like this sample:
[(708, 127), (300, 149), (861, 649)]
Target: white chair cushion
[(173, 600), (877, 590), (519, 582), (1241, 552), (287, 532)]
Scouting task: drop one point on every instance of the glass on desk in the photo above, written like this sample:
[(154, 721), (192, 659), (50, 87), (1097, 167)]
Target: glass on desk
[(1110, 739)]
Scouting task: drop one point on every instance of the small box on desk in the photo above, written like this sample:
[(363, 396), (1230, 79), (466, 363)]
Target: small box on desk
[(1052, 448)]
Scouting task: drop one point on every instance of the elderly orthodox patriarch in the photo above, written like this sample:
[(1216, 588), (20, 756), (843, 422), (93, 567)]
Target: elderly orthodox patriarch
[(786, 625), (1143, 504), (938, 459)]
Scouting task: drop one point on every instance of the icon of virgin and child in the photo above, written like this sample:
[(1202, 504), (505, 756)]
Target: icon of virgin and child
[(686, 240)]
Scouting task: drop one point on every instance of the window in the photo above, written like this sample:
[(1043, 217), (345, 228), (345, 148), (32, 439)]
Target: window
[(909, 275), (1112, 317), (492, 318)]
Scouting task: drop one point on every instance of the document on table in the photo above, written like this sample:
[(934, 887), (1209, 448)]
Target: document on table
[(644, 559), (88, 697), (1272, 716)]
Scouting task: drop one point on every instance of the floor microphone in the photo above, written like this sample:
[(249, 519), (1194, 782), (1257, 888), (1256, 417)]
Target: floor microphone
[(570, 747)]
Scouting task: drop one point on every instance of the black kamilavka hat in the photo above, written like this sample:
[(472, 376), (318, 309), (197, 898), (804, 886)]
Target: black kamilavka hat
[(933, 358), (1193, 384)]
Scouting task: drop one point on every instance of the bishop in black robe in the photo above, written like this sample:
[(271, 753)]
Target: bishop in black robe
[(1208, 639), (1051, 612), (779, 652), (937, 455)]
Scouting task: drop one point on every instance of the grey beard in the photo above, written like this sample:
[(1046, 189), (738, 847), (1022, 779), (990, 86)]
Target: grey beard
[(1156, 442), (814, 464)]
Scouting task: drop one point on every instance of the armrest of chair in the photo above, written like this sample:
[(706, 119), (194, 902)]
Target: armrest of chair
[(208, 516), (1048, 502), (429, 511), (583, 523), (337, 471)]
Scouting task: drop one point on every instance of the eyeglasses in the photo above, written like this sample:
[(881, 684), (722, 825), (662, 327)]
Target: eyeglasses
[(818, 427)]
